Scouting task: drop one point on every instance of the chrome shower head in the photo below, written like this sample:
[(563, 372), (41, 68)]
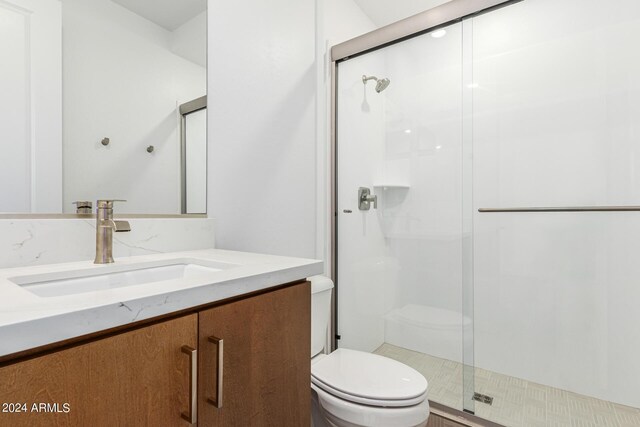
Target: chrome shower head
[(381, 84)]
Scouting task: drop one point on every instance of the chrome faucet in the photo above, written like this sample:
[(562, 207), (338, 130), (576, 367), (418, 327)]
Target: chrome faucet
[(105, 226)]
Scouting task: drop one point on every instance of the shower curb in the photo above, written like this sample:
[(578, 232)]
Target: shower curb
[(460, 417)]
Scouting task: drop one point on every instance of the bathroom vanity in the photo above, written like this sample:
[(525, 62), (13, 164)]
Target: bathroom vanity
[(225, 340)]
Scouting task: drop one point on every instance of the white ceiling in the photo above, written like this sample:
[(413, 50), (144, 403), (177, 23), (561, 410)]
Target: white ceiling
[(385, 12), (169, 14)]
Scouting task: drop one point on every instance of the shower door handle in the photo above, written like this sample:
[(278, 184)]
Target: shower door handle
[(365, 198)]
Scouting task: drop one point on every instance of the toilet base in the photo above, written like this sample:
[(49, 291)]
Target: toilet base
[(317, 417)]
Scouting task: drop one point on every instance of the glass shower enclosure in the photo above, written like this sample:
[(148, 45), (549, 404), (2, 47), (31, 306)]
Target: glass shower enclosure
[(486, 209)]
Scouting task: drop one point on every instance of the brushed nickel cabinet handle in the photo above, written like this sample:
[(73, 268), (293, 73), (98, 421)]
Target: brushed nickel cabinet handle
[(219, 342), (192, 415)]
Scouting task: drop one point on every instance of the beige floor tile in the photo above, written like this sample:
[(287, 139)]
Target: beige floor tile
[(605, 418), (534, 423), (582, 423), (516, 397), (627, 415), (533, 411), (556, 420), (483, 411), (517, 402), (559, 407), (535, 394)]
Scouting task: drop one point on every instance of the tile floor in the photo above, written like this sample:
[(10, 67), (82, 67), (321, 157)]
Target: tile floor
[(516, 402)]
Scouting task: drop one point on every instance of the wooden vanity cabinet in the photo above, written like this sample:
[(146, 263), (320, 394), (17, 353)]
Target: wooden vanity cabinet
[(262, 348), (136, 378), (143, 377)]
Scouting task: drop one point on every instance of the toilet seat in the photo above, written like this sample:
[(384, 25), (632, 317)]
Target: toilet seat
[(339, 412), (369, 379)]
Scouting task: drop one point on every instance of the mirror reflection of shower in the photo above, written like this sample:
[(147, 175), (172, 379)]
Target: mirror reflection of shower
[(381, 84)]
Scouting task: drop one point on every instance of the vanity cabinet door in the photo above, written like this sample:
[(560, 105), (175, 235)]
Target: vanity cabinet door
[(137, 378), (261, 346)]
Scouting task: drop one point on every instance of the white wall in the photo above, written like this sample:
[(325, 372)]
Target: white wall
[(344, 20), (190, 40), (382, 12), (261, 115), (337, 21), (122, 81)]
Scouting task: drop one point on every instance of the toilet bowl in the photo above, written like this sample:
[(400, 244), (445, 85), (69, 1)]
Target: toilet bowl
[(353, 388)]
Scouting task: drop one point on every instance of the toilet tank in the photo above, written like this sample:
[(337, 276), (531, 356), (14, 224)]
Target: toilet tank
[(321, 287)]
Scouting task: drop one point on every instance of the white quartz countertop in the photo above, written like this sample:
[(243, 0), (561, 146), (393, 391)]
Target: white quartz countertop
[(28, 320)]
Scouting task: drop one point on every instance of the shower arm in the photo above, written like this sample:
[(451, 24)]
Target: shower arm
[(365, 79)]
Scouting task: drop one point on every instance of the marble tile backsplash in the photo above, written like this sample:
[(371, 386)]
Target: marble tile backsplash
[(26, 242)]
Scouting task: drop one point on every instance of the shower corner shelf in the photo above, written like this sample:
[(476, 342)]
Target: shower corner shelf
[(392, 186)]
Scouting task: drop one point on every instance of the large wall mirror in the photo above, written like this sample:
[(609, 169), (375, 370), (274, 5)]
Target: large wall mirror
[(103, 99)]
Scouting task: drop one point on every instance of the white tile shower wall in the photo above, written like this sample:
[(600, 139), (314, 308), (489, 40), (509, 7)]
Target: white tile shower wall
[(423, 143), (422, 225), (555, 124), (399, 275), (366, 273), (46, 241)]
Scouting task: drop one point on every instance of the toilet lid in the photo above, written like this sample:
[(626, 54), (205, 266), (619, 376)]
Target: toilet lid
[(369, 379)]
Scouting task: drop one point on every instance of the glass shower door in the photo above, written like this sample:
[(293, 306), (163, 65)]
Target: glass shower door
[(403, 243), (556, 108)]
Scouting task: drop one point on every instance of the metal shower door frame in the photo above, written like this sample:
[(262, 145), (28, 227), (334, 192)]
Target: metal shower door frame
[(184, 110)]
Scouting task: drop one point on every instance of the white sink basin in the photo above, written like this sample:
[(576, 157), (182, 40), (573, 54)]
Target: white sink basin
[(117, 276)]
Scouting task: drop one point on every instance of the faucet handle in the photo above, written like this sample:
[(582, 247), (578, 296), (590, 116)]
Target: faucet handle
[(83, 206), (107, 203), (119, 226)]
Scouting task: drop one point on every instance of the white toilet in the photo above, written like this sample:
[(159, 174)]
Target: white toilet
[(352, 388)]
